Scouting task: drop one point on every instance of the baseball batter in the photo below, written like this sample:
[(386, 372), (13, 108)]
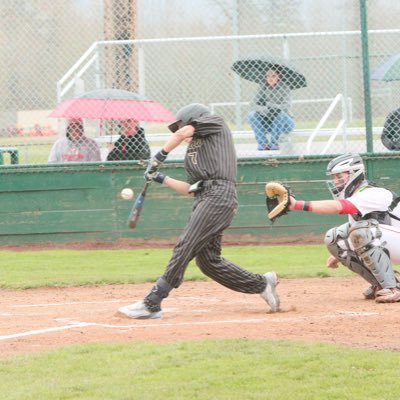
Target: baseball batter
[(368, 243), (211, 167)]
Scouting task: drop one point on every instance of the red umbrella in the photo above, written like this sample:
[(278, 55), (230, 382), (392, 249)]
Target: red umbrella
[(112, 104)]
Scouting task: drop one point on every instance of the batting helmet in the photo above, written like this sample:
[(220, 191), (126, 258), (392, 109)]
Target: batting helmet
[(187, 114), (351, 163)]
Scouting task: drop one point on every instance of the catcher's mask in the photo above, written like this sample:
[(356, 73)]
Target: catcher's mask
[(187, 114), (346, 174)]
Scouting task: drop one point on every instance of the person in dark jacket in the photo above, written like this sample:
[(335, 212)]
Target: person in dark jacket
[(391, 131), (132, 145)]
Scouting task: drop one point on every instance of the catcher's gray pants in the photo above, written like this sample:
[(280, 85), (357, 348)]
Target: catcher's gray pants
[(360, 248), (213, 210)]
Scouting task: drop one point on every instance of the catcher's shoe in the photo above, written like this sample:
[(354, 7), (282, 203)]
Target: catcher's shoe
[(391, 295), (269, 294), (397, 276), (370, 292), (140, 310)]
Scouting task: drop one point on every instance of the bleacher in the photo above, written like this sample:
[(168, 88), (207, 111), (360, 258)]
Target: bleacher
[(296, 143)]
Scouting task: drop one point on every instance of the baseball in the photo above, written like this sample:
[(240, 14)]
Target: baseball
[(127, 194)]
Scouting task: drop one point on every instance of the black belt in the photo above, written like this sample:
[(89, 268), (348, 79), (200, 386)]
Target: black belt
[(213, 182), (201, 185)]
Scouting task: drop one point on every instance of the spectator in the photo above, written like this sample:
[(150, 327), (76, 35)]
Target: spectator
[(36, 130), (391, 131), (132, 145), (75, 147), (270, 111)]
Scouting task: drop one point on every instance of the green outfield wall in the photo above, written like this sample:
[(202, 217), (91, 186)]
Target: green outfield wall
[(64, 203)]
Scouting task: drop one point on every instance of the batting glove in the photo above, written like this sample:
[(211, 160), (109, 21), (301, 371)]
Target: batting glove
[(156, 177), (155, 162)]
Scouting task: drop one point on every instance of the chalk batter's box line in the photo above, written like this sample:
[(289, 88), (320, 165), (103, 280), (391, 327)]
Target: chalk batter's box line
[(77, 324)]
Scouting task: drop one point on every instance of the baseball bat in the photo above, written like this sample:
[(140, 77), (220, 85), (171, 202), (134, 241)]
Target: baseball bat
[(137, 207)]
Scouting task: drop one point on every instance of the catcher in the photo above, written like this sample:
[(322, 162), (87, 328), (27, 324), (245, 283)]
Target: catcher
[(368, 243)]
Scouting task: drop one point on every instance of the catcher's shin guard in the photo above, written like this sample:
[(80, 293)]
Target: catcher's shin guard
[(337, 242), (365, 236)]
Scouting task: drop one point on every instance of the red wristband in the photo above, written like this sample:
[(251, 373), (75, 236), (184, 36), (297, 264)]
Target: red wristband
[(303, 205), (299, 205)]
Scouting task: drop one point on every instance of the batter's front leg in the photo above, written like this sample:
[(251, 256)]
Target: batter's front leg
[(227, 273)]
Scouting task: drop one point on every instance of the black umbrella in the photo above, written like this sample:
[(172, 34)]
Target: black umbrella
[(254, 69)]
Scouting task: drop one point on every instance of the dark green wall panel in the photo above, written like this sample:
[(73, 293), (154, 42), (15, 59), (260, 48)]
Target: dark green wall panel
[(81, 202)]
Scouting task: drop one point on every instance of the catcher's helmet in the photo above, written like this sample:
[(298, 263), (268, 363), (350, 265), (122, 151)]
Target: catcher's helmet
[(351, 163), (187, 114)]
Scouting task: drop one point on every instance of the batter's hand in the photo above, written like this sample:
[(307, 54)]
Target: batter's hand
[(332, 262), (155, 163), (292, 203), (156, 177)]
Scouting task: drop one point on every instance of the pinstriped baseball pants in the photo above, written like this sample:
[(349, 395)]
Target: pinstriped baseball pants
[(212, 212)]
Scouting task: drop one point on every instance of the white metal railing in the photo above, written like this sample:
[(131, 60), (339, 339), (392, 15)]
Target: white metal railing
[(72, 76), (339, 99), (213, 106), (90, 57), (346, 116)]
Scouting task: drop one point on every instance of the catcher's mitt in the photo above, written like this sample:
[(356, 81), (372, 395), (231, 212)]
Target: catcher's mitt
[(277, 199)]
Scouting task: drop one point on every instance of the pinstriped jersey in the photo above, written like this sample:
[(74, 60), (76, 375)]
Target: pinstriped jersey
[(211, 152)]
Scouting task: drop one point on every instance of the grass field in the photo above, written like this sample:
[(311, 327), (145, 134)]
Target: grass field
[(76, 267), (210, 369)]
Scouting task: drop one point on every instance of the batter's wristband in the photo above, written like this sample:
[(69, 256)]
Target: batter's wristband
[(159, 177), (161, 155)]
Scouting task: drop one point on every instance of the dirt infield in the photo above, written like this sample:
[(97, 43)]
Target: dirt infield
[(319, 309)]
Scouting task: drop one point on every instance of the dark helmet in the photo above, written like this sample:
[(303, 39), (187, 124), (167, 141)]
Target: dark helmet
[(351, 163), (187, 114)]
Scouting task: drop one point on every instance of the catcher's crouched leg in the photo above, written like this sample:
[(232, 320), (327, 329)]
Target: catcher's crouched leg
[(365, 236), (337, 242)]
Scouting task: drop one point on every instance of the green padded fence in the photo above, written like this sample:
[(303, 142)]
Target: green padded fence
[(70, 203)]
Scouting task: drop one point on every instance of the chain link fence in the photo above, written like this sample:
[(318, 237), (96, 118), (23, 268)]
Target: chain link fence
[(57, 51)]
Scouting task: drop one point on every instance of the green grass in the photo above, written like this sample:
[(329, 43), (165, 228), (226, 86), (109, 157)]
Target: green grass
[(22, 270), (216, 370)]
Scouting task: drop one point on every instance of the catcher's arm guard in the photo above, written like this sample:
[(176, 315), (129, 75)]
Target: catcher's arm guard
[(277, 199)]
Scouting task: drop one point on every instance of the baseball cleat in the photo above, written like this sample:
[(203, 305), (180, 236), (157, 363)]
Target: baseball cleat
[(269, 294), (391, 295), (139, 310), (370, 292)]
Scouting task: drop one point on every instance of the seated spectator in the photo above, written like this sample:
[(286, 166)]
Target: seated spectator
[(269, 117), (391, 131), (132, 144), (75, 147)]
